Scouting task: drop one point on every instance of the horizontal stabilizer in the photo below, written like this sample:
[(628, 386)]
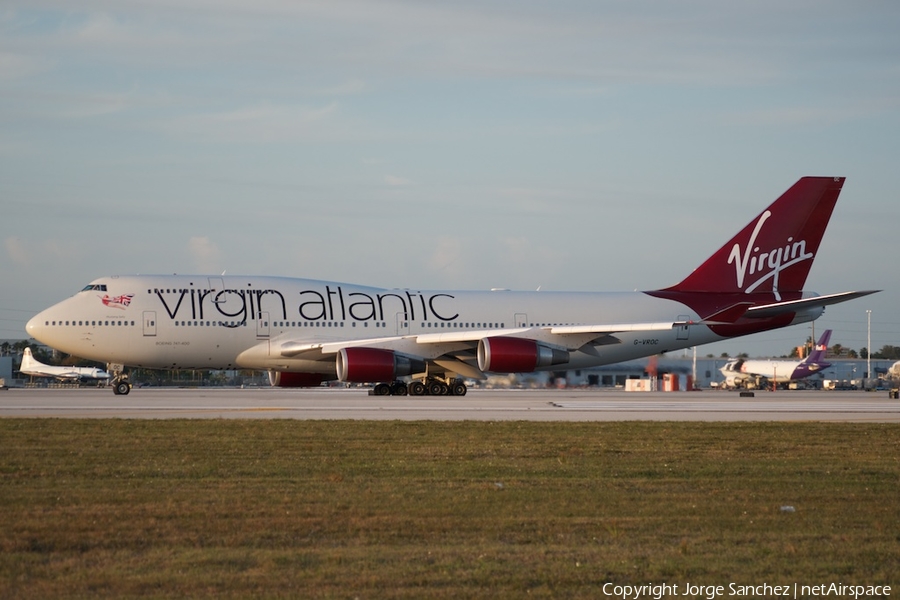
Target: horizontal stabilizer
[(728, 315), (779, 308)]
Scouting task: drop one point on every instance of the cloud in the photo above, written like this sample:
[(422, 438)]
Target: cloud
[(42, 253), (96, 105), (205, 254), (16, 251), (396, 181), (14, 66), (348, 88), (808, 115), (255, 124), (531, 260), (376, 39), (534, 200), (447, 259)]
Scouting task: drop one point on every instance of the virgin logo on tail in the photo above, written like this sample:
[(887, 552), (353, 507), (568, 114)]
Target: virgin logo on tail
[(751, 261)]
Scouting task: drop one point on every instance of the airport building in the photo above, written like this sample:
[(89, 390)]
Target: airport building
[(681, 373), (6, 365), (702, 373)]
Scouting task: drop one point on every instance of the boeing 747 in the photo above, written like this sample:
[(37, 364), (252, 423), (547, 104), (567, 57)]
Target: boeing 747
[(304, 332)]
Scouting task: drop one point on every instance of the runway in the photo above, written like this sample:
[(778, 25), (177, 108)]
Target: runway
[(481, 405)]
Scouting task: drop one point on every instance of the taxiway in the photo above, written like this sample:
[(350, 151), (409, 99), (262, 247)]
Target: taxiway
[(482, 405)]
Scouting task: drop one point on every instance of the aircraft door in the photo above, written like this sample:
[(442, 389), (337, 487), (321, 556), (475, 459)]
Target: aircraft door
[(684, 330), (521, 320), (262, 325), (216, 285), (149, 323), (402, 324)]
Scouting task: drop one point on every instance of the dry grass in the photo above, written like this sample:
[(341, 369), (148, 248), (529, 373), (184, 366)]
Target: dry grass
[(430, 509)]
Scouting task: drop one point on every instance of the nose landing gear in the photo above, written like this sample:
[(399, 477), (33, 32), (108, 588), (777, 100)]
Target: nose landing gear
[(120, 384), (121, 387)]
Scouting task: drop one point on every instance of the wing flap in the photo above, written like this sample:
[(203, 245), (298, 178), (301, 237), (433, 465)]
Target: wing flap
[(462, 368), (469, 336), (601, 330)]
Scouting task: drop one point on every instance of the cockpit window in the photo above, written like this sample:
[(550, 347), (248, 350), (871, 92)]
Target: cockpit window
[(97, 287)]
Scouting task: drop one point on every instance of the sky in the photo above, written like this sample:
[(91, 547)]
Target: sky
[(571, 145)]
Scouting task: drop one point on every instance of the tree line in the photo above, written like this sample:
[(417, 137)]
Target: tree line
[(887, 352)]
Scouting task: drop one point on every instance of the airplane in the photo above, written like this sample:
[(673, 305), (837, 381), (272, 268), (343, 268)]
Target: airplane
[(413, 341), (742, 372), (31, 366)]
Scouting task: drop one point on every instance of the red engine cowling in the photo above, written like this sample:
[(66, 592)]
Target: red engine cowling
[(369, 365), (516, 355), (287, 379)]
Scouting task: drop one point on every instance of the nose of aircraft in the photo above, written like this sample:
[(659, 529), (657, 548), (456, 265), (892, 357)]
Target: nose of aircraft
[(35, 326)]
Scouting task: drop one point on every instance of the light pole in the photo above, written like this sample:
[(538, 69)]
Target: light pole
[(869, 345)]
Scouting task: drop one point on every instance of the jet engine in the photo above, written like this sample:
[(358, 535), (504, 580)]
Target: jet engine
[(287, 379), (367, 365), (517, 355)]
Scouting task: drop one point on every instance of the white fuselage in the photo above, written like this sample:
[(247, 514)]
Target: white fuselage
[(208, 322), (65, 373), (776, 371)]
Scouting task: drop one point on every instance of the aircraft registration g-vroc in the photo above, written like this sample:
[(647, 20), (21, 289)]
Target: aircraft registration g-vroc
[(304, 332)]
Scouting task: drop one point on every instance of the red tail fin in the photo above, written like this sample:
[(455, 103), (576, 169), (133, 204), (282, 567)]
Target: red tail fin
[(775, 251)]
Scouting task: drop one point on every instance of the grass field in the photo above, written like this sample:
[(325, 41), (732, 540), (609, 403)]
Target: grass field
[(345, 509)]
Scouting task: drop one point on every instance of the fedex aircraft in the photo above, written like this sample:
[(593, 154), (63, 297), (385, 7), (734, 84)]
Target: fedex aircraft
[(305, 331), (31, 366), (739, 372)]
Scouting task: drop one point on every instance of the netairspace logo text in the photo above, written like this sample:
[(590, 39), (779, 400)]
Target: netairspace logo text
[(652, 591)]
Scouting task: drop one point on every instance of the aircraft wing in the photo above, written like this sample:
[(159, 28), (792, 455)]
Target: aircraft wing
[(791, 306), (66, 375), (62, 375), (571, 337), (455, 351)]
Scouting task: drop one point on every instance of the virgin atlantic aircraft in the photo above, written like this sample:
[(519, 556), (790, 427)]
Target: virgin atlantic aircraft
[(304, 332)]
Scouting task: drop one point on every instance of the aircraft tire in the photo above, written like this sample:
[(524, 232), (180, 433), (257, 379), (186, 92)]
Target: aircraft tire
[(382, 389), (121, 388), (458, 388), (398, 388), (436, 388), (416, 388)]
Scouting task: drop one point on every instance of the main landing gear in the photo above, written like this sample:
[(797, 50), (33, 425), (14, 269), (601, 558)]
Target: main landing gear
[(428, 387)]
